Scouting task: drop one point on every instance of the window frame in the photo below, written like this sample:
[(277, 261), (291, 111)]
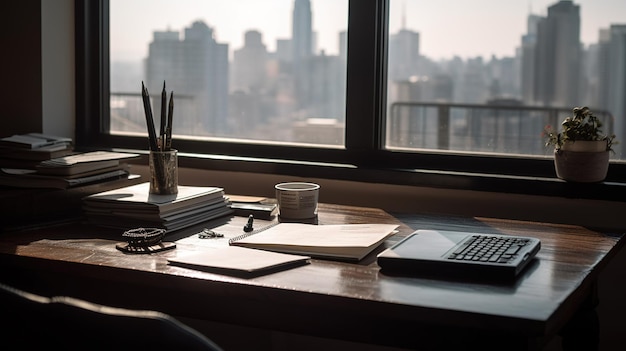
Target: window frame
[(364, 157)]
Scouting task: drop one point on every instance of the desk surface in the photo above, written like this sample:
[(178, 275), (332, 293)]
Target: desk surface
[(351, 301)]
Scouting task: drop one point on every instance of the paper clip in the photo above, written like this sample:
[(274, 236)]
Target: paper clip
[(209, 234)]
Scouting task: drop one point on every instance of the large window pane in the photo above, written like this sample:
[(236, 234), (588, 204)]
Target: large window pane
[(267, 71), (488, 75)]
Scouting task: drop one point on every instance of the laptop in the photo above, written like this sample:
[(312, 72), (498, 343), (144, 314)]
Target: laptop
[(439, 253)]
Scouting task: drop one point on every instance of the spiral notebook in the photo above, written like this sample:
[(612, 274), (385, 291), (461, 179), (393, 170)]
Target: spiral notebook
[(340, 241)]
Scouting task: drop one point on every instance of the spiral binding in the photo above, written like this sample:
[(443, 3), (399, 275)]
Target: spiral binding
[(245, 235)]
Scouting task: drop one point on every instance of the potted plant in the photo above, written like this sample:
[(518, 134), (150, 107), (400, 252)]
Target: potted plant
[(581, 149)]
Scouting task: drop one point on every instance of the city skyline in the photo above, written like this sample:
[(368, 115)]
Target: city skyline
[(477, 37), (257, 91)]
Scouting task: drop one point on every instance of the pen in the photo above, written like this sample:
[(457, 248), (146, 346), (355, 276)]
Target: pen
[(149, 121)]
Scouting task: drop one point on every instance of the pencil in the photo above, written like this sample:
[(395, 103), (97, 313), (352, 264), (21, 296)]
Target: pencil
[(170, 113), (149, 120), (163, 107)]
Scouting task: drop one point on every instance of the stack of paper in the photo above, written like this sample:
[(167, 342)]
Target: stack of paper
[(134, 207)]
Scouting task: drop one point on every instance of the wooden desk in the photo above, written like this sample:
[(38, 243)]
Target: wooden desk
[(348, 301)]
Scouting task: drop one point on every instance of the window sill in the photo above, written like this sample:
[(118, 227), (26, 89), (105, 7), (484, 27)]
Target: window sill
[(526, 185)]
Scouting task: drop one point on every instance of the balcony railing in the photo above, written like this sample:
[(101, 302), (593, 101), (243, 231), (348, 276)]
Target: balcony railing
[(494, 128)]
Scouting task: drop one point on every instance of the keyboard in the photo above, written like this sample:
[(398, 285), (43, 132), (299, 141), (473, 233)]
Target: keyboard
[(489, 248)]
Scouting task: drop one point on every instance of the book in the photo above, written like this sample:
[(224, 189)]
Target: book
[(128, 222), (104, 209), (137, 198), (257, 210), (83, 162), (26, 178), (40, 154), (134, 206), (174, 221), (33, 141), (341, 241), (238, 261), (34, 207)]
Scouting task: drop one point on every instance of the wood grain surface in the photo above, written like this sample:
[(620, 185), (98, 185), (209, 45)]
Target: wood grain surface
[(331, 299)]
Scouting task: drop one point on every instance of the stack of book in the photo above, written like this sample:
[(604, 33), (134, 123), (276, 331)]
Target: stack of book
[(134, 207), (26, 208), (25, 151), (40, 161)]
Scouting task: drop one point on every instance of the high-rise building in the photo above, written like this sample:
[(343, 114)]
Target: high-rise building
[(252, 76), (302, 46), (617, 84), (558, 52), (343, 45), (410, 125), (196, 69), (472, 86), (302, 30), (284, 50), (249, 64), (327, 95), (600, 74), (404, 52), (529, 43), (502, 78)]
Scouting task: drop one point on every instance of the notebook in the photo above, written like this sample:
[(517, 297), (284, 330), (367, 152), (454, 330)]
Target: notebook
[(338, 241), (451, 254), (238, 261)]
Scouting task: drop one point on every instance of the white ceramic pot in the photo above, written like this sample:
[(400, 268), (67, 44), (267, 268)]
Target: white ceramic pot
[(582, 161), (585, 146)]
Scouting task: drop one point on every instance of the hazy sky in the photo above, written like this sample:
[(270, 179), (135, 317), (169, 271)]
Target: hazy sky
[(444, 26)]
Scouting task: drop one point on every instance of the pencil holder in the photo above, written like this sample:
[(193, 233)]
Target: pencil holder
[(163, 172)]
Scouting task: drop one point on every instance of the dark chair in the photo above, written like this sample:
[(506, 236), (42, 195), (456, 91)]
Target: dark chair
[(66, 323)]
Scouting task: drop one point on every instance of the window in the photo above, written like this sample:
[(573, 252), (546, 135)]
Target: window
[(254, 70), (493, 80), (367, 85)]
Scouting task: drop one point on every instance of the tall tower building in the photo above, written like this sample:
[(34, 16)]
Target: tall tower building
[(558, 56), (617, 84), (343, 45), (302, 30), (196, 69), (302, 46), (529, 43), (599, 87), (404, 52)]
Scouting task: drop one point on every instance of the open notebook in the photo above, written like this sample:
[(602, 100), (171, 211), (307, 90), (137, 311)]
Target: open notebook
[(460, 254)]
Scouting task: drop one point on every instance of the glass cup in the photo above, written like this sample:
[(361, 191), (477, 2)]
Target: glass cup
[(163, 172), (297, 200)]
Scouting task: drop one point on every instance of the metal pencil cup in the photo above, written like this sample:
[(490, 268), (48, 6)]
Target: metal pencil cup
[(163, 172)]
